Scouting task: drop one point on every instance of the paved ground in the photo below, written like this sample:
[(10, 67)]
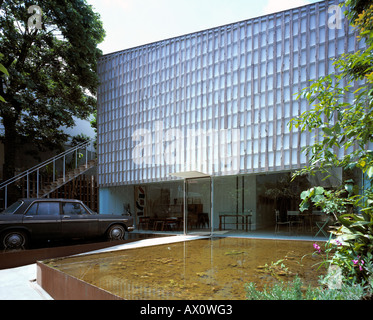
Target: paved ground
[(19, 284)]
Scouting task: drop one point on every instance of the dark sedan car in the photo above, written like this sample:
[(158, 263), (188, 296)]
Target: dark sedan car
[(50, 219)]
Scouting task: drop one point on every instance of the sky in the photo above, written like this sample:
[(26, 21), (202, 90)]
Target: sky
[(130, 23)]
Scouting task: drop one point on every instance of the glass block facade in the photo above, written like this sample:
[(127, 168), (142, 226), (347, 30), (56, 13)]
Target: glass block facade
[(217, 101)]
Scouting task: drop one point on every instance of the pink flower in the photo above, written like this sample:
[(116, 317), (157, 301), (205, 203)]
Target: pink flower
[(317, 247), (359, 262), (338, 243), (361, 265)]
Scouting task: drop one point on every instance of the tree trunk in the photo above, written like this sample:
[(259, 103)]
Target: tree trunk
[(10, 146)]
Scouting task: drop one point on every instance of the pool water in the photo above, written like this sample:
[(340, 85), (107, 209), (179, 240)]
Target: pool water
[(216, 268)]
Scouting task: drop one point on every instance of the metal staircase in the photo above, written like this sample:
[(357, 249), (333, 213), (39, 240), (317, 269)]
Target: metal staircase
[(46, 177), (70, 175)]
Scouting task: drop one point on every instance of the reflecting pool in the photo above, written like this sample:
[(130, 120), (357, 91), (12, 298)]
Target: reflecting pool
[(215, 268)]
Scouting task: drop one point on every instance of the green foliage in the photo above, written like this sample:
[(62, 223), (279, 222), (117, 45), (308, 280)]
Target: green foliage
[(339, 123), (278, 291), (285, 187), (78, 139), (277, 269), (52, 70), (356, 8), (94, 121), (331, 201), (296, 290), (343, 281), (354, 235), (5, 72), (345, 124)]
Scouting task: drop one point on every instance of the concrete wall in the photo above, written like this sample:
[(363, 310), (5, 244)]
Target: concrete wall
[(114, 200)]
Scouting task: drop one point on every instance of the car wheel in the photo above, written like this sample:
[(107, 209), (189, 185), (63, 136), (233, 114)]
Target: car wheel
[(116, 232), (14, 240)]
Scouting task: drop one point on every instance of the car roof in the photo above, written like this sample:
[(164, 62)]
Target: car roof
[(48, 199)]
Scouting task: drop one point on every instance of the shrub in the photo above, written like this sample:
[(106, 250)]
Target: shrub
[(295, 290)]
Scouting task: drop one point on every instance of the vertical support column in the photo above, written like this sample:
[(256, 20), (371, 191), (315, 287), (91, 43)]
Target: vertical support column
[(86, 156), (6, 197), (37, 183), (212, 206), (64, 161), (54, 169), (185, 208), (76, 158), (28, 187)]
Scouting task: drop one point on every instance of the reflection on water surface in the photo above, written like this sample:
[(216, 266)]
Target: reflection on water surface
[(215, 268)]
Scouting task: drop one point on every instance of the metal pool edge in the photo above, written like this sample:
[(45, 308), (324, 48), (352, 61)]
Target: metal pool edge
[(61, 286)]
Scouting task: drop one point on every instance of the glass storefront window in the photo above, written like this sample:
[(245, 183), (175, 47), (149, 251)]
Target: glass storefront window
[(164, 207), (237, 204)]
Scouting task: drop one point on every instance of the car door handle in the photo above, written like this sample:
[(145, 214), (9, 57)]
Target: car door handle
[(29, 217), (66, 217)]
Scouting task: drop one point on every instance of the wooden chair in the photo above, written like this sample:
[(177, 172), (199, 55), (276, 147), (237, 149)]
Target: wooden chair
[(144, 223)]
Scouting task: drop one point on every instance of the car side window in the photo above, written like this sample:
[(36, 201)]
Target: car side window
[(33, 209), (44, 208), (71, 208)]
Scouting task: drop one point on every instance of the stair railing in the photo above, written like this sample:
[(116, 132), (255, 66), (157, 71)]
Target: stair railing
[(89, 155)]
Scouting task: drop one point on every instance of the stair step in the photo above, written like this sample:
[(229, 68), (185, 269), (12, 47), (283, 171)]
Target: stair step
[(69, 175)]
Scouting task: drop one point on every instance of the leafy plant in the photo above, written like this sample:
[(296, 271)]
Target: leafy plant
[(296, 290), (347, 125), (276, 269), (278, 291), (329, 200), (52, 73), (5, 72)]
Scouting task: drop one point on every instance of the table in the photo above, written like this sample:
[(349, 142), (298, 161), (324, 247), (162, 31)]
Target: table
[(245, 220), (162, 224), (305, 217), (295, 218), (316, 219)]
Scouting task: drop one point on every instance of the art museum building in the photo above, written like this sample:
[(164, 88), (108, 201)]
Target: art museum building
[(193, 133)]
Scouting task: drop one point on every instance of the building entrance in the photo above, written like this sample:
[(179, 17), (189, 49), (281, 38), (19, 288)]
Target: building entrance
[(198, 206)]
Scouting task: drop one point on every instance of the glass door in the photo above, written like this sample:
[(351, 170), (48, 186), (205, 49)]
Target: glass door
[(198, 206)]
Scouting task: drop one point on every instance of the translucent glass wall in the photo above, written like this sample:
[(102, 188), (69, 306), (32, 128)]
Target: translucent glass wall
[(216, 101)]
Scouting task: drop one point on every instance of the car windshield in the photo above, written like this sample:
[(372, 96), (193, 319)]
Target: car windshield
[(12, 208), (90, 210)]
